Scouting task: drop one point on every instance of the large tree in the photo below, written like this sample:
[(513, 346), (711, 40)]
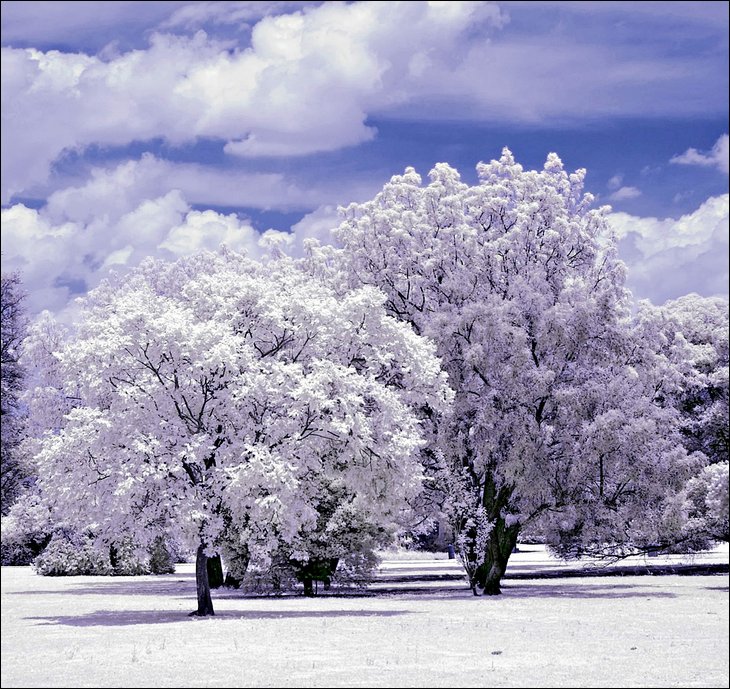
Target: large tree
[(215, 396), (516, 279), (12, 333)]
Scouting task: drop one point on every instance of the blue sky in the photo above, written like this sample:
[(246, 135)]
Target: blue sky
[(160, 128)]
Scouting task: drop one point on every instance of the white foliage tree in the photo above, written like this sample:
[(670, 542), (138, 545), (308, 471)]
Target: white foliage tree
[(690, 338), (214, 394), (693, 333), (516, 279)]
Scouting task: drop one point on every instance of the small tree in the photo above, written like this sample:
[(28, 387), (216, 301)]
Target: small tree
[(516, 279), (212, 395)]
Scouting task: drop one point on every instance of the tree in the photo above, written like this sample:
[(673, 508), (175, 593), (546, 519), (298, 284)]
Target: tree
[(215, 394), (690, 336), (692, 333), (12, 333), (706, 505), (516, 280)]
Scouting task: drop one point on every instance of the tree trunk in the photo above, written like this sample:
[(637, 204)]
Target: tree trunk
[(500, 543), (215, 571), (205, 603)]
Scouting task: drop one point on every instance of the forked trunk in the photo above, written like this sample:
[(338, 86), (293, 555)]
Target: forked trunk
[(500, 543), (489, 541), (205, 603)]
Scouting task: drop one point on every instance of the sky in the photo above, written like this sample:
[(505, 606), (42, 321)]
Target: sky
[(133, 129)]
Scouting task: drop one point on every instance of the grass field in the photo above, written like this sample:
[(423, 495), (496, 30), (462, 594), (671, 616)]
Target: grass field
[(135, 632)]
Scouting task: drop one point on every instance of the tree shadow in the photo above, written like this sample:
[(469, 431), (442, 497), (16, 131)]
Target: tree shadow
[(545, 591), (597, 591), (120, 618), (182, 583)]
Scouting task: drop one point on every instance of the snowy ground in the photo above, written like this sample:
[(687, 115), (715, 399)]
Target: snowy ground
[(134, 632)]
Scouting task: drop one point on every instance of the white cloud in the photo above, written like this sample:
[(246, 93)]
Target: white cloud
[(625, 193), (118, 188), (208, 230), (64, 260), (718, 157), (615, 181), (671, 257), (306, 84), (198, 14), (319, 225), (123, 214), (310, 79)]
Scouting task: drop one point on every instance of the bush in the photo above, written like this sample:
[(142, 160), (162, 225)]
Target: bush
[(127, 560), (26, 531), (162, 560), (72, 554)]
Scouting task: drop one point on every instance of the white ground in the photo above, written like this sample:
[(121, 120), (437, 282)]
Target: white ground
[(134, 632)]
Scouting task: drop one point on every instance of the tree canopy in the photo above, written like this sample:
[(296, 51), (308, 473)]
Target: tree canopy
[(218, 395), (517, 281)]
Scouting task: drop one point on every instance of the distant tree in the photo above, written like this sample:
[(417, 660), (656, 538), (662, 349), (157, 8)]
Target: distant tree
[(517, 281), (12, 333), (690, 339), (706, 504), (213, 395), (692, 333)]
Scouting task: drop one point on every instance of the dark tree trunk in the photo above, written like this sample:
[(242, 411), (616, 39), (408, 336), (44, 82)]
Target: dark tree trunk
[(215, 572), (486, 564), (500, 543), (205, 603), (317, 569)]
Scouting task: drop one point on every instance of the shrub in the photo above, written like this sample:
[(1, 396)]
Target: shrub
[(72, 554)]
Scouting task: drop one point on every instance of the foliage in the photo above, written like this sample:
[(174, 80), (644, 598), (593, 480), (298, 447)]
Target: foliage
[(13, 474), (214, 395), (706, 504), (517, 281), (72, 554), (26, 530), (691, 338), (161, 558)]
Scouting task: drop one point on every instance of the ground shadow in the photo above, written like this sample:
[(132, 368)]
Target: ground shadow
[(118, 618), (134, 587), (546, 591), (597, 591), (186, 591)]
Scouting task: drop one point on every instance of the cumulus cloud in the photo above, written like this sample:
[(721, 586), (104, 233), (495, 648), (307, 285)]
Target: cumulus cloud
[(319, 224), (61, 261), (123, 214), (310, 80), (718, 156), (109, 189), (625, 193), (671, 257), (115, 219), (306, 83), (208, 230)]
